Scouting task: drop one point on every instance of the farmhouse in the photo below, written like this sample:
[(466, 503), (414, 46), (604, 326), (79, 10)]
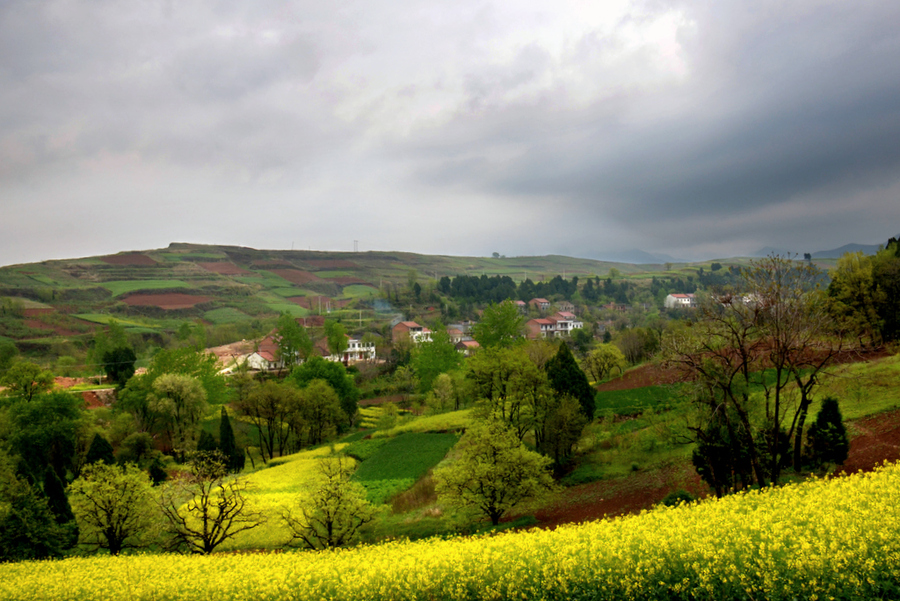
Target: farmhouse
[(541, 304), (467, 347), (680, 301), (555, 326), (412, 330), (265, 357)]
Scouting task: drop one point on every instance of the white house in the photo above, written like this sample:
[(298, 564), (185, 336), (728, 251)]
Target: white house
[(680, 301)]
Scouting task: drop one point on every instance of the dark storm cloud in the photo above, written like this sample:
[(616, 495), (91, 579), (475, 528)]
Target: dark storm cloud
[(693, 128)]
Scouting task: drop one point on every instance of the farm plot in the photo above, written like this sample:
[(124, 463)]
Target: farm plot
[(396, 464), (224, 268), (166, 301), (120, 287), (295, 276), (132, 259)]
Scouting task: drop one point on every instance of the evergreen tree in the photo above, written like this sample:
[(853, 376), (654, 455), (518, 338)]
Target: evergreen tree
[(567, 378), (827, 440), (206, 443), (100, 450), (58, 503), (234, 455)]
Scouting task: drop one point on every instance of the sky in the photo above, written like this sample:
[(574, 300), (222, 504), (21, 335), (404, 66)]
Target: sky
[(698, 129)]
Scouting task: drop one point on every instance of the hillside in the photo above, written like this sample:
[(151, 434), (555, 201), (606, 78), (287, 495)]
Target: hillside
[(153, 292)]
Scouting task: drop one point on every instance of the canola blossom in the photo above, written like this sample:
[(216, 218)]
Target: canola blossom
[(822, 539)]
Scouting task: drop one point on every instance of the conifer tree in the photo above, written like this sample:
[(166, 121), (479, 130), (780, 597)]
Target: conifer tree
[(206, 443), (100, 450), (234, 455), (827, 438), (567, 378)]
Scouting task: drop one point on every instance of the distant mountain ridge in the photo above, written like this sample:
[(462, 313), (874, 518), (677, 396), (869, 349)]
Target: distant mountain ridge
[(835, 253)]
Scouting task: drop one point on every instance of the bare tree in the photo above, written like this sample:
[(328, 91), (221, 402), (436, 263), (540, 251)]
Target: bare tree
[(205, 508)]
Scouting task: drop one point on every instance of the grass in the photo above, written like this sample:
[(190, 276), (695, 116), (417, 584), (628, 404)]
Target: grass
[(104, 319), (289, 292), (289, 308), (359, 291), (226, 315), (121, 287), (396, 464), (454, 421), (636, 400)]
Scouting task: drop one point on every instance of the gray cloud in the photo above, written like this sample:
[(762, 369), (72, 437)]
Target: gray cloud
[(683, 127)]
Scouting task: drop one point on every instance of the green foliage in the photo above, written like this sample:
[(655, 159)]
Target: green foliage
[(8, 352), (114, 506), (335, 511), (394, 465), (234, 454), (431, 359), (125, 286), (501, 325), (118, 363), (636, 400), (190, 362), (317, 368), (206, 443), (24, 380), (678, 497), (336, 335), (492, 473), (827, 440), (603, 361), (566, 378), (321, 409), (100, 450), (178, 401), (43, 433), (28, 529), (293, 341)]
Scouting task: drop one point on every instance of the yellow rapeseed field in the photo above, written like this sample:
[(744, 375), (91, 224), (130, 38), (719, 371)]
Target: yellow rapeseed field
[(823, 539)]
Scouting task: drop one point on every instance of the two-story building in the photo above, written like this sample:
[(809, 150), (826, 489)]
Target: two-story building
[(411, 330), (680, 301)]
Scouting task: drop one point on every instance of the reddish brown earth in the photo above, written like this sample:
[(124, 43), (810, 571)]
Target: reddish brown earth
[(166, 301), (129, 259), (40, 325), (295, 276), (36, 312), (224, 268), (274, 263)]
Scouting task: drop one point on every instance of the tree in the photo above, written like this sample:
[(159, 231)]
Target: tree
[(234, 454), (566, 378), (434, 358), (335, 511), (28, 528), (206, 508), (118, 363), (603, 360), (501, 325), (293, 341), (100, 450), (492, 473), (827, 440), (337, 337), (44, 432), (269, 406), (180, 402), (114, 506), (191, 362), (317, 368), (321, 410), (510, 388), (8, 352), (24, 380)]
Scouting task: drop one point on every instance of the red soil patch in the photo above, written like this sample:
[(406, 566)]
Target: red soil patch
[(40, 325), (381, 400), (331, 264), (36, 312), (877, 440), (166, 301), (295, 276), (224, 268), (136, 259), (607, 498), (274, 263)]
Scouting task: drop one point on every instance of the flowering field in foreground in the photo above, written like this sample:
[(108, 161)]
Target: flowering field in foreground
[(836, 539)]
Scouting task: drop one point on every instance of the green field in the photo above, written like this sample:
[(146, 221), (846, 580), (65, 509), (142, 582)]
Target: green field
[(104, 319), (125, 286), (396, 464), (636, 400), (225, 315), (359, 291), (289, 308)]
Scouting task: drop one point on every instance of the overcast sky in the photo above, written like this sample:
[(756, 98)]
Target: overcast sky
[(700, 129)]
